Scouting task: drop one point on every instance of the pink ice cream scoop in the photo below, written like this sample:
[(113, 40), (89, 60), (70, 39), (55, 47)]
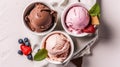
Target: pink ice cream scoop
[(58, 47), (77, 19)]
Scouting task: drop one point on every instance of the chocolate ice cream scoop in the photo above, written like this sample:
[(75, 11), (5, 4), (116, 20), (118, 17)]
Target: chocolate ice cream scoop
[(40, 18)]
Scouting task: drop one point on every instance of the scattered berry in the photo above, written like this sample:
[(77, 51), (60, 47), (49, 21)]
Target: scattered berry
[(89, 29), (26, 49), (25, 39), (27, 43), (20, 52), (30, 57), (20, 41)]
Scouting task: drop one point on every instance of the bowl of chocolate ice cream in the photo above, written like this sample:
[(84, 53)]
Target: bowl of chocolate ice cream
[(59, 45), (40, 18)]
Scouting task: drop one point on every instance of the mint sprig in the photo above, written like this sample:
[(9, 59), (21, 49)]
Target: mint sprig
[(40, 55), (95, 10)]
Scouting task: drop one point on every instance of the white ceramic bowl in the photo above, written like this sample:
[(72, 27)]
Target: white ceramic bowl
[(28, 8), (63, 19), (71, 47)]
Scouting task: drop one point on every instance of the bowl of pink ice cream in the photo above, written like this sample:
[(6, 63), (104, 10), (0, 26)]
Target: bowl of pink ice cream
[(59, 46), (75, 18)]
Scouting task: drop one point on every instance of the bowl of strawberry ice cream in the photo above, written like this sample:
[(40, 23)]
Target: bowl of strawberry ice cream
[(59, 46), (76, 20)]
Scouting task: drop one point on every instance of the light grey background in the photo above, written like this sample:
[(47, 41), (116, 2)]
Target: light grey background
[(105, 53)]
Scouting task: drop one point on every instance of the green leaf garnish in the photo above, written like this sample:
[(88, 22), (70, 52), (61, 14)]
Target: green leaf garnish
[(95, 10), (40, 55)]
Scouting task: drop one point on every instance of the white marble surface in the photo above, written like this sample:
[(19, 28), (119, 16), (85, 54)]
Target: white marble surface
[(106, 53)]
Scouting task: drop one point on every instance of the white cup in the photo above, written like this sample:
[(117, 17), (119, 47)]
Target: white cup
[(71, 47), (28, 8), (63, 19)]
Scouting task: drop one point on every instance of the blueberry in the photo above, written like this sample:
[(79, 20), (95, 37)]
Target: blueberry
[(29, 57), (20, 41), (27, 43), (25, 39), (20, 52)]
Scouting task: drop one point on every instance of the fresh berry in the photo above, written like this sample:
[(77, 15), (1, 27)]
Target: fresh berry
[(20, 52), (89, 29), (30, 57), (27, 43), (25, 39), (26, 49), (20, 41)]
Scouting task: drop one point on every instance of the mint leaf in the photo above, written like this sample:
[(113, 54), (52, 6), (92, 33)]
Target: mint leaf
[(95, 10), (40, 55)]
